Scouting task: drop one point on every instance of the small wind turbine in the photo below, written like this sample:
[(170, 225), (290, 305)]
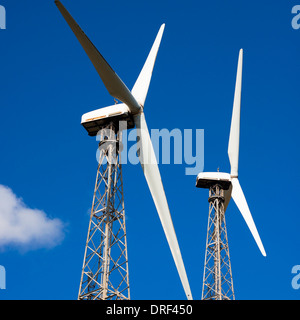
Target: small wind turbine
[(217, 280), (96, 282)]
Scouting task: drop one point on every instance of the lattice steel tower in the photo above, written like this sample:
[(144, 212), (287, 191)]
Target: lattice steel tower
[(217, 278), (105, 266)]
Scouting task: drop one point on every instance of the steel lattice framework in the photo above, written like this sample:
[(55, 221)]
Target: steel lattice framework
[(217, 278), (105, 266)]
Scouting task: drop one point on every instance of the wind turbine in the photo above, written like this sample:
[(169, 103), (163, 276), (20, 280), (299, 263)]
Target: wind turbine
[(99, 262), (217, 279)]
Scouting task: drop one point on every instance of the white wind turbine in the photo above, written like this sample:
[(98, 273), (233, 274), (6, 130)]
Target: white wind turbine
[(234, 191), (217, 277), (132, 111)]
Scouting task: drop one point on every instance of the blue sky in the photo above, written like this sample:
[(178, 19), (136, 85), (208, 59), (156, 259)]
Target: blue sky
[(48, 160)]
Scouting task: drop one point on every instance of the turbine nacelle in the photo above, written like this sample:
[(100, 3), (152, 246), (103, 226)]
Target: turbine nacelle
[(94, 121), (208, 179)]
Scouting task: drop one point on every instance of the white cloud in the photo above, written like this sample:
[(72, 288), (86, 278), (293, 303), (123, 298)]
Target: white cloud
[(26, 228)]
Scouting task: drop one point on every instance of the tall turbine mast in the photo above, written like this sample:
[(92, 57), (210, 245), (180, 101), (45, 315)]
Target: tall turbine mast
[(217, 278), (105, 273)]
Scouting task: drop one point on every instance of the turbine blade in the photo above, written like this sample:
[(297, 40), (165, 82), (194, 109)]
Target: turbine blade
[(141, 86), (153, 178), (234, 138), (240, 200), (111, 80), (227, 195)]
